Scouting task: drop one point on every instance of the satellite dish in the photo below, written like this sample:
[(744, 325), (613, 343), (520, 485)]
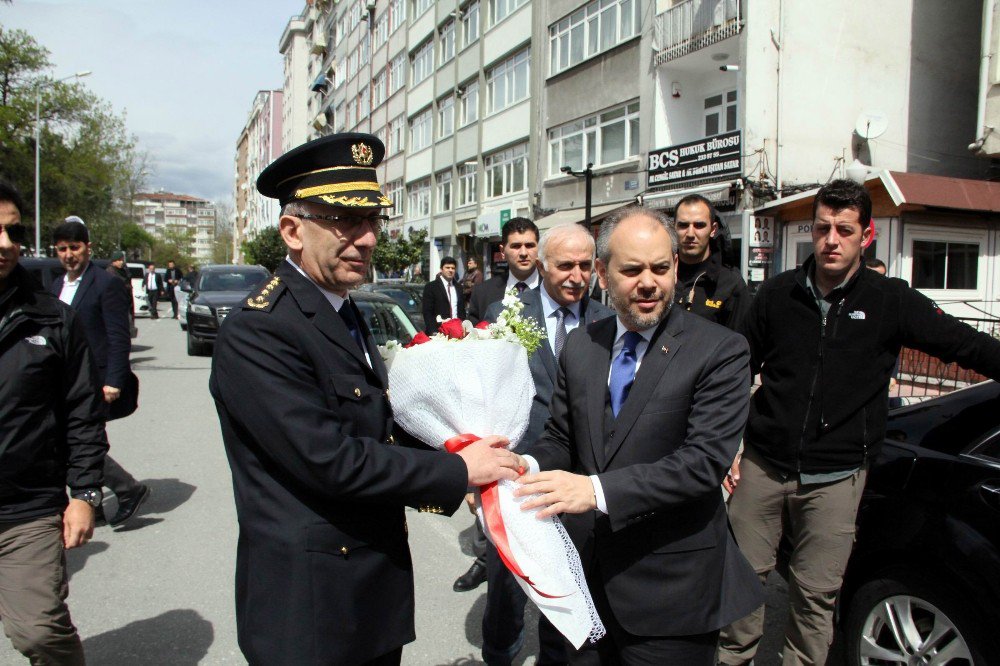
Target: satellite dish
[(871, 124)]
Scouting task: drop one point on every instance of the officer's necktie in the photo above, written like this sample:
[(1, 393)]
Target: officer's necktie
[(623, 372), (350, 319), (560, 329), (520, 286)]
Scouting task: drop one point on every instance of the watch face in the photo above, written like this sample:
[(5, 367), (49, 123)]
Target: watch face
[(91, 497)]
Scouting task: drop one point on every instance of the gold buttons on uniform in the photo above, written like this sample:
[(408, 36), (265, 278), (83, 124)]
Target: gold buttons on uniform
[(357, 392), (392, 440), (344, 550)]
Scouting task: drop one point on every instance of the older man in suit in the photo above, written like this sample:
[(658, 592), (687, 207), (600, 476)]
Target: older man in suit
[(442, 297), (323, 569), (560, 304), (646, 416), (102, 303)]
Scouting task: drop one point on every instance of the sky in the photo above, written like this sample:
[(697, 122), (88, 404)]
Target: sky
[(184, 73)]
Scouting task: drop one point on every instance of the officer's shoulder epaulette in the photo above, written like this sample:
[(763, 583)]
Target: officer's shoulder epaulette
[(265, 297)]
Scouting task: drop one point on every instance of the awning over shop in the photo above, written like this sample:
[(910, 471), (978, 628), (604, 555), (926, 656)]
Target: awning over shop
[(597, 213)]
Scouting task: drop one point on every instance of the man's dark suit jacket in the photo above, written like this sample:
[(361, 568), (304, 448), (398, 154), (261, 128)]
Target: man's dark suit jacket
[(435, 302), (485, 294), (543, 361), (663, 553), (323, 569), (103, 304)]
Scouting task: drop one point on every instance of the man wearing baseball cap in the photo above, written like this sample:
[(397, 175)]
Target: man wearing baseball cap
[(321, 476)]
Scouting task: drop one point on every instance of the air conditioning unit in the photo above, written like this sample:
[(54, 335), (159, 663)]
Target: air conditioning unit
[(319, 44), (319, 122)]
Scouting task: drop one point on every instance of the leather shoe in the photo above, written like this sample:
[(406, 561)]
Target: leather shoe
[(129, 504), (471, 579)]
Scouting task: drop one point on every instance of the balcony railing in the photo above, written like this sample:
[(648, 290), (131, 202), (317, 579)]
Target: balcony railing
[(695, 24)]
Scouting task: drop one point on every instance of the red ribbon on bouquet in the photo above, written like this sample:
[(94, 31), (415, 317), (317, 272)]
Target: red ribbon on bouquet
[(494, 520)]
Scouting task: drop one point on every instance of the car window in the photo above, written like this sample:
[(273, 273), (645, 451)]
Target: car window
[(135, 272), (989, 449), (402, 297), (387, 321), (230, 281)]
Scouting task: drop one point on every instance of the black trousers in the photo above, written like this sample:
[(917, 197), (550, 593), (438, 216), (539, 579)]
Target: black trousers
[(173, 299), (151, 295), (620, 648)]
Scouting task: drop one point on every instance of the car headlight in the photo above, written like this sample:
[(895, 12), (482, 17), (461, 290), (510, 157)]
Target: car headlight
[(200, 309)]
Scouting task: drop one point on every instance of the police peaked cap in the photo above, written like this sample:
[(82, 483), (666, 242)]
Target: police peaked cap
[(335, 170)]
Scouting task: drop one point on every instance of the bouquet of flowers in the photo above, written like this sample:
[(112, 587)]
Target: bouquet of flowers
[(463, 381)]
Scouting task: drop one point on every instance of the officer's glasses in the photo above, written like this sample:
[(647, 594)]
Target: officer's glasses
[(17, 233), (351, 223)]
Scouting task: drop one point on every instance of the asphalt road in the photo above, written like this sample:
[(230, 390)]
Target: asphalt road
[(159, 590)]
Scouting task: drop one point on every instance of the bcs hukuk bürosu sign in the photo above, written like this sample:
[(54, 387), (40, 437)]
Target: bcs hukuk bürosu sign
[(717, 156)]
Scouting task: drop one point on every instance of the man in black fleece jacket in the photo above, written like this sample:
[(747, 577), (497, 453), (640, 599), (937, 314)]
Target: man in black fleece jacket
[(824, 338)]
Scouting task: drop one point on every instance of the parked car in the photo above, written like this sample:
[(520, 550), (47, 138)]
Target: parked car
[(137, 273), (182, 300), (216, 291), (48, 269), (407, 294), (923, 582), (384, 317)]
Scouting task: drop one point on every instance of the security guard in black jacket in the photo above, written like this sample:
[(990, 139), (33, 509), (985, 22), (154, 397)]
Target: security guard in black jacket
[(51, 437), (705, 285), (321, 477)]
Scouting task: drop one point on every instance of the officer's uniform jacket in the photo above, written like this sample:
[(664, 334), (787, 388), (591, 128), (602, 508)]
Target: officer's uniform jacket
[(323, 571)]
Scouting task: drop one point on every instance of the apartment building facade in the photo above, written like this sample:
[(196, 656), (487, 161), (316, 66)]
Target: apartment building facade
[(169, 215), (259, 143)]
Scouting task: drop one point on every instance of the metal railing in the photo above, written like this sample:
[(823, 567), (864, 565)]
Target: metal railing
[(921, 376), (695, 24)]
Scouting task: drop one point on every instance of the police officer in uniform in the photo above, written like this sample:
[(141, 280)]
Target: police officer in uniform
[(706, 286), (321, 477)]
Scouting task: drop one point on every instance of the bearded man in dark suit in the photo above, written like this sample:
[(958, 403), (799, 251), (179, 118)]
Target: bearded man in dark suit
[(646, 416)]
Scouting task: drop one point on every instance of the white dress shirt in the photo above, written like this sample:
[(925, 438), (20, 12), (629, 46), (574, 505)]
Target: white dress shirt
[(549, 307), (532, 280), (336, 300), (70, 286), (449, 288), (150, 281)]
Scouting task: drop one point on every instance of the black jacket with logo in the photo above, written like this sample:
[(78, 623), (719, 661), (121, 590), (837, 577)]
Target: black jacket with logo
[(822, 405), (51, 423), (713, 291)]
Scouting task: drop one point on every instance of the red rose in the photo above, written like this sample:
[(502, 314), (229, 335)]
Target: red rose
[(452, 328), (418, 339), (483, 325)]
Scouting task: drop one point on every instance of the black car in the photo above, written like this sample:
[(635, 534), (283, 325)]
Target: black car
[(407, 294), (216, 291), (385, 318), (923, 582)]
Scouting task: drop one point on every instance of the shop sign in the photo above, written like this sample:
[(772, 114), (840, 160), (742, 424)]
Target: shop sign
[(711, 157), (490, 223)]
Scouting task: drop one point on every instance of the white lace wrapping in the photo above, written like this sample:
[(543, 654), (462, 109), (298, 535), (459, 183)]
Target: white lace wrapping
[(483, 387)]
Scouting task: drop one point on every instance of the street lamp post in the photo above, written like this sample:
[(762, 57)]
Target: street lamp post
[(588, 176), (38, 154)]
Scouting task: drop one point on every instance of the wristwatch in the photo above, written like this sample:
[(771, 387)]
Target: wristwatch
[(91, 496)]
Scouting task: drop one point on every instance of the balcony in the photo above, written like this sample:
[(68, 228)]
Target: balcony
[(693, 25)]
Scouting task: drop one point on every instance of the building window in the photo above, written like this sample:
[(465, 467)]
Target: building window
[(351, 114), (507, 83), (397, 14), (381, 34), (364, 103), (379, 89), (363, 54), (501, 9), (397, 73), (507, 171), (382, 134), (597, 27), (945, 265), (423, 62), (394, 190), (470, 103), (421, 6), (447, 42), (338, 117), (419, 198), (397, 133), (603, 138), (355, 15), (467, 184), (720, 113), (420, 130), (446, 116), (443, 191), (470, 23)]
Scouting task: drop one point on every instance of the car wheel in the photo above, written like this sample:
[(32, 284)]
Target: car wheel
[(195, 348), (905, 621)]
